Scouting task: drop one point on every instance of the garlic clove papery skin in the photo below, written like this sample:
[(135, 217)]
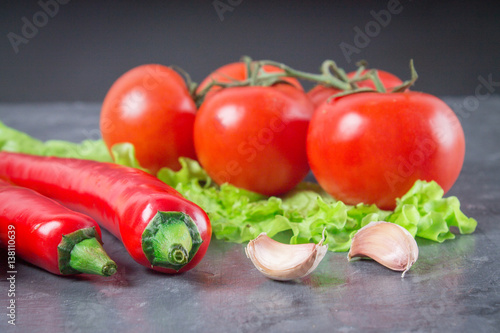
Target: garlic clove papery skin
[(284, 262), (387, 243)]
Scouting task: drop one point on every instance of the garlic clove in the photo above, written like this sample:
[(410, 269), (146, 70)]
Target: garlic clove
[(284, 262), (387, 243)]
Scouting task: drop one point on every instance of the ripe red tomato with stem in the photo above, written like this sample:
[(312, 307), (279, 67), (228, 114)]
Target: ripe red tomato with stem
[(321, 93), (151, 107), (372, 147), (254, 137), (251, 129)]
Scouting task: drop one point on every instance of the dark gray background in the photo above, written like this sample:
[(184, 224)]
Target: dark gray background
[(80, 51)]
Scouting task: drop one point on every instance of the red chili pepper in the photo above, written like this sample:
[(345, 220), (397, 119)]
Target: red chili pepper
[(159, 228), (49, 235)]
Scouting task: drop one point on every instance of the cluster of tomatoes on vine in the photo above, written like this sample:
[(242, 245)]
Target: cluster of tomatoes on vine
[(365, 135)]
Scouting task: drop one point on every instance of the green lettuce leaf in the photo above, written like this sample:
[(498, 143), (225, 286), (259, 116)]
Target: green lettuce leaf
[(16, 141), (425, 213), (302, 215)]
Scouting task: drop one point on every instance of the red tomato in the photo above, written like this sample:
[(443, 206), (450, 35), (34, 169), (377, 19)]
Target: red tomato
[(255, 137), (238, 71), (372, 147), (319, 93), (150, 107)]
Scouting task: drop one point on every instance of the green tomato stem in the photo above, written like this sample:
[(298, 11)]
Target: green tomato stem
[(330, 76), (407, 84)]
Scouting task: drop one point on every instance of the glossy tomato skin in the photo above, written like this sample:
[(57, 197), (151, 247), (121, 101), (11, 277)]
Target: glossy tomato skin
[(372, 147), (255, 137), (238, 71), (150, 107), (320, 94)]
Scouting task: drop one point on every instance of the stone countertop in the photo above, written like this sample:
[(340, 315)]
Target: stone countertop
[(454, 286)]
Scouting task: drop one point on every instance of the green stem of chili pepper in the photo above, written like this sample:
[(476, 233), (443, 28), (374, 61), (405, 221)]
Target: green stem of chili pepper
[(171, 240), (88, 256), (81, 252), (173, 243)]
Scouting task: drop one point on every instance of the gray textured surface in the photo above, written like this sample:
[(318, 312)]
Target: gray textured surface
[(454, 286)]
